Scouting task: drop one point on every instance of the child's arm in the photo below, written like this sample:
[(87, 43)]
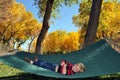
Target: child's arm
[(64, 70), (62, 67), (63, 62)]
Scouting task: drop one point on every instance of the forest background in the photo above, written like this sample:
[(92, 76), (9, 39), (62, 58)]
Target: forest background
[(19, 29)]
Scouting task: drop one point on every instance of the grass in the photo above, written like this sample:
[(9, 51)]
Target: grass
[(6, 70), (9, 73)]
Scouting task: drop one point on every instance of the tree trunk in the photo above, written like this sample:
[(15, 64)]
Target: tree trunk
[(32, 39), (93, 23), (45, 26)]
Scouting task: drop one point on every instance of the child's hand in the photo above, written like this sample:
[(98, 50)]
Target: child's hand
[(62, 63), (65, 65), (64, 70)]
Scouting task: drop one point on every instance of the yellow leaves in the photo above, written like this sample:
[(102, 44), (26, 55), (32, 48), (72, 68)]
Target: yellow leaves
[(109, 20), (7, 36), (71, 43), (109, 6), (33, 27), (17, 9), (61, 41), (18, 25), (33, 46), (110, 17), (52, 41), (4, 9)]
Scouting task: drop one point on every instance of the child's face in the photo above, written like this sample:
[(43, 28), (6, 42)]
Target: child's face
[(77, 68)]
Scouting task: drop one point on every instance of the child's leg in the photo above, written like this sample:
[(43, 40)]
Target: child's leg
[(50, 66)]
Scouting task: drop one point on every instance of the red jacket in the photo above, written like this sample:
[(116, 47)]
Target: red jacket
[(68, 68)]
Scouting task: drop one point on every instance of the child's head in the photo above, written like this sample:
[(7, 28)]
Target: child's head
[(78, 67)]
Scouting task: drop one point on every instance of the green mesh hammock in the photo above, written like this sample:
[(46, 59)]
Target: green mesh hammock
[(99, 59)]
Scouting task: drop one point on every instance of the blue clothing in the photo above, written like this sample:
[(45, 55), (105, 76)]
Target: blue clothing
[(46, 65)]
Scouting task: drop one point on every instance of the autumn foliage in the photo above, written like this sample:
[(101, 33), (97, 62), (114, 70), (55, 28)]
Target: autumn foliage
[(60, 42), (109, 18), (17, 26)]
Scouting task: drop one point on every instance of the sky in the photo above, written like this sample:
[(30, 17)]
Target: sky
[(64, 22)]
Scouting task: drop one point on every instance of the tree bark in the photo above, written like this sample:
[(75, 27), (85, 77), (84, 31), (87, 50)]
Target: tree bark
[(32, 39), (45, 26), (93, 23)]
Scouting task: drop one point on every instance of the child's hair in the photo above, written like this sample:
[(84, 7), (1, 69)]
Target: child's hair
[(82, 67)]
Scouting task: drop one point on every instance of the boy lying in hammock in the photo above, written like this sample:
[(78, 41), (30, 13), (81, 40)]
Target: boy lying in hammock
[(65, 67)]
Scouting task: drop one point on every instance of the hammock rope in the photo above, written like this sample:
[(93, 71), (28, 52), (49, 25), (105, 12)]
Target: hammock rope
[(114, 43), (111, 41)]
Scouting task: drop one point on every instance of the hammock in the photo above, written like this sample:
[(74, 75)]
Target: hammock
[(99, 59)]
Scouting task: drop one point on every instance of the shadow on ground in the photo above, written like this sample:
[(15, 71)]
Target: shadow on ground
[(26, 76)]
